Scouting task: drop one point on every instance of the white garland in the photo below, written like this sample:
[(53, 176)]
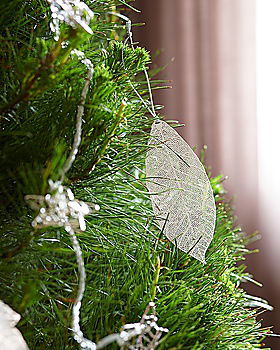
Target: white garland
[(143, 335), (75, 13), (60, 208)]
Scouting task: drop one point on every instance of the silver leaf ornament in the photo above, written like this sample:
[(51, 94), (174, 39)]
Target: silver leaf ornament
[(180, 191), (10, 336)]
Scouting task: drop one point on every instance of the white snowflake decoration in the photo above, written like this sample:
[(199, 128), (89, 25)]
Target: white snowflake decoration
[(59, 208), (144, 335)]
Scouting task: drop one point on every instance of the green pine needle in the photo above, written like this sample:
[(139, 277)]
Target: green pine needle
[(128, 260)]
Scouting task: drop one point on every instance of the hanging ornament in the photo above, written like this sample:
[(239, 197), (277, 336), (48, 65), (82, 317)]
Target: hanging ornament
[(10, 336), (59, 208), (181, 194), (144, 335)]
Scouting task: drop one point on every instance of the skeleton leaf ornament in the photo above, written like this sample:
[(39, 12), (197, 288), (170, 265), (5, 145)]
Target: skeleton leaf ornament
[(180, 191)]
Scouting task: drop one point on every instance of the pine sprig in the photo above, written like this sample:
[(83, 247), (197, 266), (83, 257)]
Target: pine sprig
[(128, 260)]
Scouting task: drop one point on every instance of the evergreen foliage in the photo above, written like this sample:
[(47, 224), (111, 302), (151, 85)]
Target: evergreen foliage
[(128, 261)]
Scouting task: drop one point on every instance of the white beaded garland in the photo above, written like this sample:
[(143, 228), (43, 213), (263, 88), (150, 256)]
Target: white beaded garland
[(72, 12)]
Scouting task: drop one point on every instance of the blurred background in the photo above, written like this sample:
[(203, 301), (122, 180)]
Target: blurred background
[(222, 59)]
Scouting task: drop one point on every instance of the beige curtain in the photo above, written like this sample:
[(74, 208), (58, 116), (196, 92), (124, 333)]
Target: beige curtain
[(209, 49)]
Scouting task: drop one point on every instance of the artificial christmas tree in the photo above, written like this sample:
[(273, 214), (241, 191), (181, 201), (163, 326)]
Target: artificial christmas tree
[(82, 253)]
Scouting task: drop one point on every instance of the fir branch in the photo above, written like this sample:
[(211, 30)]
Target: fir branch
[(111, 134), (203, 306), (78, 133), (29, 88)]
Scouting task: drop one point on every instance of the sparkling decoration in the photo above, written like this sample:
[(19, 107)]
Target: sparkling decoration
[(81, 56), (59, 208), (79, 119), (10, 337), (181, 194), (72, 12), (144, 335)]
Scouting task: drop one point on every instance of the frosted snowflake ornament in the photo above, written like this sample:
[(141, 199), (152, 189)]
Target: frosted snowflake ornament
[(144, 335), (59, 208)]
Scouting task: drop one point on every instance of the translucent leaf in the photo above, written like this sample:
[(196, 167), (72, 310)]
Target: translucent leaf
[(180, 190)]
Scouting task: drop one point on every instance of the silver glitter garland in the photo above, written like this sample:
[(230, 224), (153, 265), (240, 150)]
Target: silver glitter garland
[(59, 207), (72, 12), (143, 335), (79, 120)]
